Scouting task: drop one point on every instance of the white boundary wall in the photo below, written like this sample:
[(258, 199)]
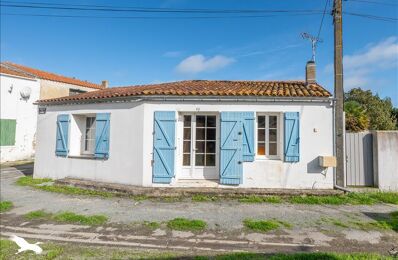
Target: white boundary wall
[(130, 154)]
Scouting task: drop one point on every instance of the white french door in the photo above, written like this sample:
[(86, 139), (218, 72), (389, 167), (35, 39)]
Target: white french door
[(199, 146)]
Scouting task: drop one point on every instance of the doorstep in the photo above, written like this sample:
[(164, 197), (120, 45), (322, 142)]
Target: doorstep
[(189, 191)]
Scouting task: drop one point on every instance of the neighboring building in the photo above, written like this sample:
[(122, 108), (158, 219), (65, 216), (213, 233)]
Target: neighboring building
[(21, 86), (18, 114), (263, 134)]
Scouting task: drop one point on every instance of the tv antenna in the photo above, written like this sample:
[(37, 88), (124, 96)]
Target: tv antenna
[(314, 41)]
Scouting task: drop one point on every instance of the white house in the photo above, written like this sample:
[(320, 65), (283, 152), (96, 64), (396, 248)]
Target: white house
[(21, 86), (18, 114), (263, 134)]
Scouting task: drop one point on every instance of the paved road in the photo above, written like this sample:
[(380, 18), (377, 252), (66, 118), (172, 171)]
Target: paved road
[(224, 218)]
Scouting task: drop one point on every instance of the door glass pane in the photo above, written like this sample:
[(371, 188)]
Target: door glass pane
[(272, 135), (211, 147), (187, 147), (200, 133), (261, 121), (261, 148), (187, 121), (186, 160), (211, 134), (200, 160), (200, 146), (211, 121), (273, 149), (200, 121), (261, 135), (272, 122), (187, 133), (210, 160)]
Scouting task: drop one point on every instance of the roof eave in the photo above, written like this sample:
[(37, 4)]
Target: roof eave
[(169, 98)]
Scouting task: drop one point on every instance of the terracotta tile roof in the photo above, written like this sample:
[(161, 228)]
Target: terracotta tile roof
[(51, 76), (11, 71), (203, 88)]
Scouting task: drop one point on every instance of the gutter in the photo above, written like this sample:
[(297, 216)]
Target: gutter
[(189, 99)]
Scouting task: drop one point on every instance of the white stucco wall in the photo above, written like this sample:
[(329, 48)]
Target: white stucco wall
[(131, 144), (385, 163), (23, 111), (125, 153)]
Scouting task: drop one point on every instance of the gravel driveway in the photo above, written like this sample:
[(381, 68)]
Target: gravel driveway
[(223, 214)]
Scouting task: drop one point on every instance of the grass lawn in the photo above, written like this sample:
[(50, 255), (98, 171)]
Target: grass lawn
[(5, 206), (261, 225), (72, 251), (365, 198), (184, 224), (68, 217)]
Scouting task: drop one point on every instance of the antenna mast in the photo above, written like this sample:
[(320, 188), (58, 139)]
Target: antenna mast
[(314, 41)]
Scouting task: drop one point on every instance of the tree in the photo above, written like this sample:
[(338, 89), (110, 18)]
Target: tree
[(395, 115), (379, 111), (356, 119)]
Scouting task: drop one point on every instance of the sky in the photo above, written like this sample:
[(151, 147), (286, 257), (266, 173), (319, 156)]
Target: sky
[(166, 48)]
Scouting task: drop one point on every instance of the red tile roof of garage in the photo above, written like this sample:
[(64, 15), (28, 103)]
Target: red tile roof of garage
[(202, 88), (50, 76)]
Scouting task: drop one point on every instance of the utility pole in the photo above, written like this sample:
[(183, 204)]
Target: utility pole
[(339, 92)]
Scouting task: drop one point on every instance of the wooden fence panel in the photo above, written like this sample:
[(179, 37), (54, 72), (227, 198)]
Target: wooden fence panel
[(359, 159)]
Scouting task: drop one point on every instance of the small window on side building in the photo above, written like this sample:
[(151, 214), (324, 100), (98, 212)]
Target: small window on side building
[(73, 91)]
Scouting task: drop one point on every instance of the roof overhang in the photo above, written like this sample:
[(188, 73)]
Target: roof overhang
[(169, 98)]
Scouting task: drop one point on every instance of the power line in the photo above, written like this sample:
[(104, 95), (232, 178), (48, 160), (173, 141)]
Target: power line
[(323, 17), (374, 17), (373, 2), (150, 10), (150, 17)]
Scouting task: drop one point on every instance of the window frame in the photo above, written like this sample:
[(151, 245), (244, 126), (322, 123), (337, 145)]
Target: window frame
[(84, 135), (279, 140)]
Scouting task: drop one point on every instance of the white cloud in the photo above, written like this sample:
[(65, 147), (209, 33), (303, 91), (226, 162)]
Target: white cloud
[(172, 54), (363, 69), (199, 63), (381, 55)]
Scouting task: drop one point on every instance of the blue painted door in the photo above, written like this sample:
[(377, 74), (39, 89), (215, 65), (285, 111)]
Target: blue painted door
[(163, 146), (231, 156)]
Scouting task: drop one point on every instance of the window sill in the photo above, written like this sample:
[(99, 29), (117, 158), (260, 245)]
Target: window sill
[(268, 159), (89, 157)]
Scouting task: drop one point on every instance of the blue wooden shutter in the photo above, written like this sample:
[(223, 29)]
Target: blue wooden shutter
[(231, 148), (248, 136), (102, 125), (292, 137), (163, 146), (61, 144)]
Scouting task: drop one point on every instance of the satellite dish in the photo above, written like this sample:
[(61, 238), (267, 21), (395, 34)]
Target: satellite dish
[(25, 93)]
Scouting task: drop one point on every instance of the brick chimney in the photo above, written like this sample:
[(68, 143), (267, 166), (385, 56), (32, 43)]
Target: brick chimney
[(310, 72), (105, 84)]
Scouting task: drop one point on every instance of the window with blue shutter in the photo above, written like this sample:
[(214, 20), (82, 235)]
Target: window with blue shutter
[(231, 143), (102, 135), (163, 146), (291, 137), (62, 136), (248, 136)]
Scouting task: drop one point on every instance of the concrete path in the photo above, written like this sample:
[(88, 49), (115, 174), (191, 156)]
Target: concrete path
[(309, 230)]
